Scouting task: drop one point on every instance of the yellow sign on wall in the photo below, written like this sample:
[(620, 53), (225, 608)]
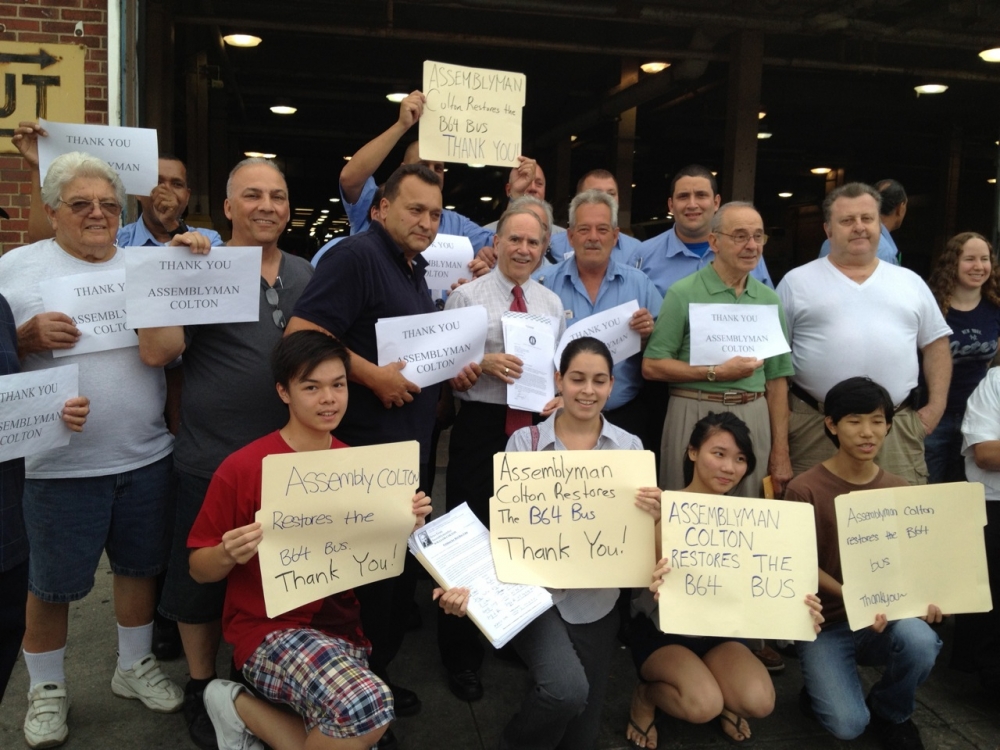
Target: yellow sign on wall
[(39, 80)]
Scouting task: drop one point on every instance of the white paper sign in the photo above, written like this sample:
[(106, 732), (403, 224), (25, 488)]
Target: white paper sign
[(171, 286), (96, 303), (611, 327), (132, 152), (472, 115), (447, 261), (31, 405), (435, 346), (531, 339), (721, 332)]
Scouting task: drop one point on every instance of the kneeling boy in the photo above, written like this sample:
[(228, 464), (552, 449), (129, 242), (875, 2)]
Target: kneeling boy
[(858, 417), (313, 658)]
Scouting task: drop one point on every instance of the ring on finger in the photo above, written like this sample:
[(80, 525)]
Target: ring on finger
[(506, 371)]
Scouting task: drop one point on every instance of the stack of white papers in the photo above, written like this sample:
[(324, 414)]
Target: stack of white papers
[(532, 339), (455, 550)]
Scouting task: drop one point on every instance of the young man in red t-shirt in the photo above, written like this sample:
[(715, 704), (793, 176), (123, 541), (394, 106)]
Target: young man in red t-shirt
[(313, 658), (858, 416)]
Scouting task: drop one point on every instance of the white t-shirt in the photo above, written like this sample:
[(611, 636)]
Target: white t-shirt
[(125, 429), (840, 329), (982, 423)]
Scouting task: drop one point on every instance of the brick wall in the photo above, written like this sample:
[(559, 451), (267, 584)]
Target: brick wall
[(51, 21)]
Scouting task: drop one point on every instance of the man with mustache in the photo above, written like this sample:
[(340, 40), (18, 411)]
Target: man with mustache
[(831, 304)]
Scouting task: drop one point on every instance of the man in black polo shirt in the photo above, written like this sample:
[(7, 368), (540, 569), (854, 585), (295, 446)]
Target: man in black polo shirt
[(380, 274)]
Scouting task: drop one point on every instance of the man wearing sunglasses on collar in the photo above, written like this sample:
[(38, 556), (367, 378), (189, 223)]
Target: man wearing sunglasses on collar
[(229, 401)]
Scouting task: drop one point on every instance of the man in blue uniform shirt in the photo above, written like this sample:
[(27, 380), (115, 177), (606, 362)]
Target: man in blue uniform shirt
[(683, 249), (603, 180)]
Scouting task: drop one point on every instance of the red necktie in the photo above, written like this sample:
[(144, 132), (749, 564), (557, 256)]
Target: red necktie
[(516, 419)]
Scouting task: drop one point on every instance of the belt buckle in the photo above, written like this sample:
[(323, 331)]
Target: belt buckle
[(731, 398)]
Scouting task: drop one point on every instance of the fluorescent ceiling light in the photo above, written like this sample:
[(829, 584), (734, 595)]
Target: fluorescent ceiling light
[(335, 200), (258, 155), (396, 98), (284, 109), (449, 208), (784, 195), (477, 166), (486, 198), (654, 67), (991, 55), (241, 40), (821, 170), (763, 135), (930, 88)]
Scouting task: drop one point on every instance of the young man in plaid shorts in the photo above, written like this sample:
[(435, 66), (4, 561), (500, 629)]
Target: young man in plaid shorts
[(313, 658)]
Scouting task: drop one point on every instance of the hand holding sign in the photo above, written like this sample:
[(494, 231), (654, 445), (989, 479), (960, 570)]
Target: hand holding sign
[(25, 140), (47, 331), (722, 333), (131, 152)]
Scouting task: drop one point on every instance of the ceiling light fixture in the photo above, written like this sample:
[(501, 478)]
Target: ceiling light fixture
[(241, 40), (348, 158), (396, 98), (335, 200), (784, 195), (654, 67), (449, 208), (992, 180), (284, 109), (258, 155), (486, 198), (763, 135), (477, 166), (762, 114), (930, 88), (325, 211), (821, 170), (991, 55)]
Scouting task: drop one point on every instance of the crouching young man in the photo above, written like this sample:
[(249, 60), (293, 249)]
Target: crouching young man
[(858, 416), (313, 658)]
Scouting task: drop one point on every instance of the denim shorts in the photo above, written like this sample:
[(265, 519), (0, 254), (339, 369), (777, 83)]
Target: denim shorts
[(184, 599), (325, 679), (69, 522)]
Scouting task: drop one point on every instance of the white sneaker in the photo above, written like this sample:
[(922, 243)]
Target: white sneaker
[(231, 732), (48, 707), (145, 682)]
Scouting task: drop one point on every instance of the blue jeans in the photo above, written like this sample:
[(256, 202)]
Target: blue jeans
[(906, 649), (943, 450), (569, 667)]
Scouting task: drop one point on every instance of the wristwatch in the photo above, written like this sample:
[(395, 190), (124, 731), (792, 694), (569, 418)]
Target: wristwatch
[(711, 374)]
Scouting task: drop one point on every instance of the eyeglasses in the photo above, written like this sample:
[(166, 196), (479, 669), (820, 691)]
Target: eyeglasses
[(271, 295), (108, 208), (742, 238)]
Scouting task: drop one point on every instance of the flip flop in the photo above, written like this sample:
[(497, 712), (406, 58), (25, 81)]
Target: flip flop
[(645, 734), (747, 741)]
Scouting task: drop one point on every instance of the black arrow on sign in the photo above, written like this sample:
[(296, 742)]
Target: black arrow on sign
[(43, 59)]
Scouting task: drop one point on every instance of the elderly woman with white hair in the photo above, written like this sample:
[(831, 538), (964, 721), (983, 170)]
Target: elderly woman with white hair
[(107, 489)]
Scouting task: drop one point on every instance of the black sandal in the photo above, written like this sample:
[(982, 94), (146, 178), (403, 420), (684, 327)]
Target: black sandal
[(748, 739), (645, 734)]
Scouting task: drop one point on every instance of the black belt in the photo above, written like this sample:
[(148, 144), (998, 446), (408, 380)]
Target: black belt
[(804, 396)]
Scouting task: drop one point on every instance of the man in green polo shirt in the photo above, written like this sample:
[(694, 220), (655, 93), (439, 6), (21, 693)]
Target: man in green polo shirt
[(755, 390)]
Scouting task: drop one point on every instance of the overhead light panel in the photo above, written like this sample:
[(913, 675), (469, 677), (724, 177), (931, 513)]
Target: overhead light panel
[(821, 170), (930, 88), (284, 109), (654, 67), (348, 158), (762, 114), (449, 208), (396, 98), (991, 55), (335, 200), (486, 198), (477, 166), (992, 180), (784, 195), (325, 211), (763, 135), (258, 155), (241, 40)]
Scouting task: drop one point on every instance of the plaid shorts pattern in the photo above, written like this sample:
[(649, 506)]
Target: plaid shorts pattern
[(326, 680)]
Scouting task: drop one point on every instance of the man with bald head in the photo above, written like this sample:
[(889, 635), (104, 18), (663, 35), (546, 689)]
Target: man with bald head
[(226, 367), (753, 389)]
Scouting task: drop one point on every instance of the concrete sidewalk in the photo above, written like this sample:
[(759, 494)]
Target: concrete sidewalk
[(952, 711)]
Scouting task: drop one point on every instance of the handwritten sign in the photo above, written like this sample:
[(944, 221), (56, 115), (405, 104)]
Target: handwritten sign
[(171, 286), (611, 327), (31, 404), (447, 261), (96, 303), (721, 332), (334, 520), (740, 568), (131, 152), (568, 519), (903, 548), (472, 115)]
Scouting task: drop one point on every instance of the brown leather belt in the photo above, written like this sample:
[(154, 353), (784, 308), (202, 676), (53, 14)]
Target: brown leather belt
[(728, 398)]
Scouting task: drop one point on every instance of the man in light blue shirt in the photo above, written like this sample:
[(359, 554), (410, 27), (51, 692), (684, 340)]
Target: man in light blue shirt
[(596, 179), (163, 210), (357, 185), (891, 215), (683, 249), (590, 282)]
